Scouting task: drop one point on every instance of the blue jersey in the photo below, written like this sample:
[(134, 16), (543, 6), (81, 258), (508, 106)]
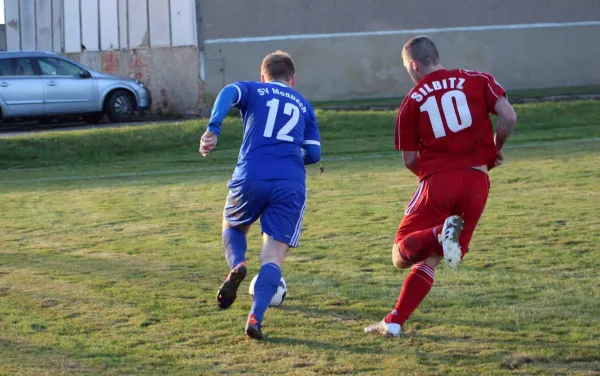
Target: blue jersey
[(278, 121), (281, 135)]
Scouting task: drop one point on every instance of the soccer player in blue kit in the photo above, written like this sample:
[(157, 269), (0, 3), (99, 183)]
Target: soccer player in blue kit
[(281, 136)]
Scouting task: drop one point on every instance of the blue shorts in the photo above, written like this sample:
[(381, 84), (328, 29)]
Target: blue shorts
[(280, 205)]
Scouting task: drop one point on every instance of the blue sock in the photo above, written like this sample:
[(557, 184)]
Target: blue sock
[(264, 289), (234, 242)]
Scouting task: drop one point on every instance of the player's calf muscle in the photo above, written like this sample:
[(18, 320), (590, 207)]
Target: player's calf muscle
[(273, 251)]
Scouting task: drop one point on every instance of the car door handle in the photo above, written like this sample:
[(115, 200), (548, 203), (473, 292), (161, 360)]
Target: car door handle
[(52, 83), (4, 84)]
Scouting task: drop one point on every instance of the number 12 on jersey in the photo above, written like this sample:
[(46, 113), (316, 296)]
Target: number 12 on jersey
[(457, 118), (290, 110)]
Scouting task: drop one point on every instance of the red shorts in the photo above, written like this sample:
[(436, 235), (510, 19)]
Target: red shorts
[(457, 192)]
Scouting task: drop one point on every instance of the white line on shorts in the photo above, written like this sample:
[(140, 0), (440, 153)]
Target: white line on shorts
[(339, 158)]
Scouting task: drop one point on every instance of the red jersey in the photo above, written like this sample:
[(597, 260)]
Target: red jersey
[(446, 119)]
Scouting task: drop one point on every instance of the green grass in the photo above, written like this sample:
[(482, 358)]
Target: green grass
[(176, 145), (117, 276)]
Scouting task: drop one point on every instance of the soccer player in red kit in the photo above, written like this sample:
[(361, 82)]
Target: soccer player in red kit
[(445, 133)]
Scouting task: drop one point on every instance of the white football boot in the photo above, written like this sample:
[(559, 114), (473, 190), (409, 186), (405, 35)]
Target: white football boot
[(385, 329), (449, 240)]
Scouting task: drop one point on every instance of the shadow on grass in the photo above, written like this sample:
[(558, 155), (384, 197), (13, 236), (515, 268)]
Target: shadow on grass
[(329, 346), (514, 337), (341, 314)]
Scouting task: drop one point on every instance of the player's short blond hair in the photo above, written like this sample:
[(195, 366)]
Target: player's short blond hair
[(278, 65), (422, 50)]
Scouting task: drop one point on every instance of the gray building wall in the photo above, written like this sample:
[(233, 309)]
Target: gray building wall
[(2, 37), (563, 52), (171, 73)]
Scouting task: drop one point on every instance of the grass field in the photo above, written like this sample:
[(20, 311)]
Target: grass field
[(110, 256)]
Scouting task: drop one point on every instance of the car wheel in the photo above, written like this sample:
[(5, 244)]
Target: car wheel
[(93, 118), (120, 106)]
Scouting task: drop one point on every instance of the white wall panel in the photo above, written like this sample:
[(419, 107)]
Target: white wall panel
[(72, 26), (57, 26), (123, 25), (28, 33), (109, 25), (13, 25), (90, 37), (183, 23), (43, 11), (138, 23), (66, 25), (160, 24)]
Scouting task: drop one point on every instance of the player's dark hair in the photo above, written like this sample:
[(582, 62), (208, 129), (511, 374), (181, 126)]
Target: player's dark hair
[(278, 65), (422, 50)]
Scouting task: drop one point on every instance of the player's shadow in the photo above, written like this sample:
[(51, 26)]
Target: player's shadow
[(414, 331), (367, 349), (372, 315), (341, 313)]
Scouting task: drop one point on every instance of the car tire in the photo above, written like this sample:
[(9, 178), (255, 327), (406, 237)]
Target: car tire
[(120, 106), (94, 118)]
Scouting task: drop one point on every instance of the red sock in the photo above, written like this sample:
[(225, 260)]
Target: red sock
[(419, 245), (416, 286)]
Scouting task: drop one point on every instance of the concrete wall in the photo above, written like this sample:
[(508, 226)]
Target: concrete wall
[(176, 87), (371, 66), (352, 48), (268, 17)]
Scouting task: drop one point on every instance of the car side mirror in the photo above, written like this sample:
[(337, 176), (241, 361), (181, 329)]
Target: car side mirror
[(84, 74)]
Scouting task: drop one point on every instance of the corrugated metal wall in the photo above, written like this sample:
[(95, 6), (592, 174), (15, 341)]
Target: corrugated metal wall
[(99, 25)]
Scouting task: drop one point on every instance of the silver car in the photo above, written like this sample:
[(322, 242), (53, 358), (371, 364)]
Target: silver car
[(46, 85)]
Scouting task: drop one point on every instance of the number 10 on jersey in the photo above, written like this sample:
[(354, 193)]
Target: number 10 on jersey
[(457, 118), (290, 110)]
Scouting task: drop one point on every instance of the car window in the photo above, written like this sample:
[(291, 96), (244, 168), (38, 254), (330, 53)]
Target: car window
[(16, 67), (5, 67), (58, 67)]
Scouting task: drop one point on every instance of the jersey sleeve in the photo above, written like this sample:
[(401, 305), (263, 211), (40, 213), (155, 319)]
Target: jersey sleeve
[(407, 128), (493, 91), (311, 131), (226, 98), (243, 89)]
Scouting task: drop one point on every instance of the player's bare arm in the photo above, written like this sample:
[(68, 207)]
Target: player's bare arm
[(411, 161), (507, 119)]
